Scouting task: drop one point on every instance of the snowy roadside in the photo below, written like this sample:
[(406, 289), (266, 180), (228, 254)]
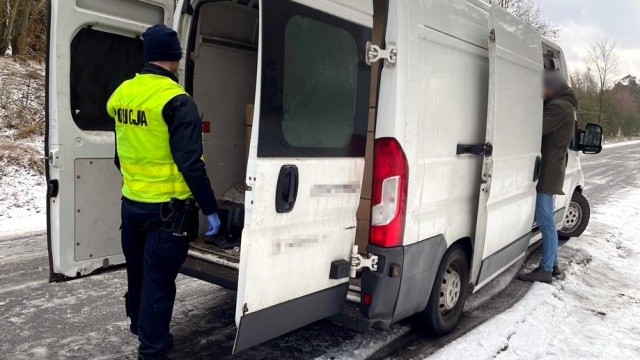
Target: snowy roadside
[(22, 182), (625, 143), (593, 314)]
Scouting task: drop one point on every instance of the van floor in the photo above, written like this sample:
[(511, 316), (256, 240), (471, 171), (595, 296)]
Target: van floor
[(228, 255)]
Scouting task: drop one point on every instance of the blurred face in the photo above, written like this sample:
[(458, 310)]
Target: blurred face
[(547, 92)]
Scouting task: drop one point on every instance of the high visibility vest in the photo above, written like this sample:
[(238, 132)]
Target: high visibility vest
[(150, 175)]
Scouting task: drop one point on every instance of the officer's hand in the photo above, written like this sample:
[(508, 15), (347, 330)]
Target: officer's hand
[(214, 224)]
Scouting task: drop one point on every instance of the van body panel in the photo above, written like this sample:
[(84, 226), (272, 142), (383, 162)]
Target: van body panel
[(287, 253), (508, 192), (445, 105), (94, 45)]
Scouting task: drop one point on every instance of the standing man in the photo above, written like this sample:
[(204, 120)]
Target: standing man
[(558, 126), (159, 153)]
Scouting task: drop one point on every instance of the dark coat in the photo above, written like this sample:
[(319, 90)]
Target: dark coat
[(558, 128)]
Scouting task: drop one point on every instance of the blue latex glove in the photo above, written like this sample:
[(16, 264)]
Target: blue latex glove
[(214, 224)]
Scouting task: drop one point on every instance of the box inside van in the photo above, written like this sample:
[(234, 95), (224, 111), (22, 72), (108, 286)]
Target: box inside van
[(410, 129)]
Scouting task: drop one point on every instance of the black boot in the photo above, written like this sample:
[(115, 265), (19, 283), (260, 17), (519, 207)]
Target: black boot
[(557, 272), (537, 275)]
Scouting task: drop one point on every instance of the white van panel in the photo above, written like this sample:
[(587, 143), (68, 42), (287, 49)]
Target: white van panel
[(307, 238), (514, 128), (446, 105), (91, 245)]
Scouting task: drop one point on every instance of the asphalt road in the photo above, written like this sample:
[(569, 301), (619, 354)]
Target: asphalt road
[(84, 318)]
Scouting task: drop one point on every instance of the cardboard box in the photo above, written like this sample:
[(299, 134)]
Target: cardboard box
[(371, 127), (249, 110), (364, 210), (368, 168), (362, 236)]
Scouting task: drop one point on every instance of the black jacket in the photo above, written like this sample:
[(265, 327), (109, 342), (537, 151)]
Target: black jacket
[(558, 127), (185, 139)]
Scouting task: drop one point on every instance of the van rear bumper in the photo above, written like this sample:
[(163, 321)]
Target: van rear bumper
[(397, 295)]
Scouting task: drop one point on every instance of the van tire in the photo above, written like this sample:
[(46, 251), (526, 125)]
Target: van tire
[(576, 218), (440, 317)]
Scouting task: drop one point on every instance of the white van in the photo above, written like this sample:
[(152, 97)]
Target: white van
[(413, 126)]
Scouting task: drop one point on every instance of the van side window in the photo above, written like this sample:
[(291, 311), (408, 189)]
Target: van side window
[(100, 62), (315, 84), (319, 86)]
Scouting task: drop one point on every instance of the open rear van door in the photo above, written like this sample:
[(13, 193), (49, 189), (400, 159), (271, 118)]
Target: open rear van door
[(94, 45), (512, 150), (306, 165)]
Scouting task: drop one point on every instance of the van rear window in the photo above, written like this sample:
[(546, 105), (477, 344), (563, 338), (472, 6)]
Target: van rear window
[(100, 62), (319, 85), (315, 83)]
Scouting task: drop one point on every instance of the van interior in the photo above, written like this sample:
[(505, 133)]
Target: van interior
[(221, 76)]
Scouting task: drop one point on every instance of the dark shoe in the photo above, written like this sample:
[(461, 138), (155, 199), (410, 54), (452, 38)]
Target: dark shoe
[(557, 272), (165, 356), (133, 329), (537, 275), (161, 357)]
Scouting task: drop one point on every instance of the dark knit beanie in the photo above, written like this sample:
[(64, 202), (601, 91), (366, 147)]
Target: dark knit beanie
[(161, 44)]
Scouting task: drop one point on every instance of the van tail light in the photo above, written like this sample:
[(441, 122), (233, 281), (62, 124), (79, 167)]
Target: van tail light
[(389, 193)]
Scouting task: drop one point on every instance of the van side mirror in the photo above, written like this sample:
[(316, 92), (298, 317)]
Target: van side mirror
[(591, 142)]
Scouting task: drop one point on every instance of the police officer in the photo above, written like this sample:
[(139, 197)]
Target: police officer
[(159, 153)]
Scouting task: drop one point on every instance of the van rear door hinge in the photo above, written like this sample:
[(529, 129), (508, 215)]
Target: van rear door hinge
[(358, 262), (375, 54)]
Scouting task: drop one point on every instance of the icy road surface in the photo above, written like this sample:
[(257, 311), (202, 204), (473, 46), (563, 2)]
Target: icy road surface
[(593, 313)]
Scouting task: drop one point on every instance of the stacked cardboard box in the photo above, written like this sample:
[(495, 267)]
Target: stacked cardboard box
[(363, 215)]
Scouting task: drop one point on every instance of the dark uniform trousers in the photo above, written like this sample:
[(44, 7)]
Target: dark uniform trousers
[(154, 257)]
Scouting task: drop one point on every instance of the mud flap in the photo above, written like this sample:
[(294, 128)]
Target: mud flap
[(280, 319)]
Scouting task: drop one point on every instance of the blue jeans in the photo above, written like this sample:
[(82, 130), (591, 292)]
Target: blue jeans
[(154, 257), (546, 224)]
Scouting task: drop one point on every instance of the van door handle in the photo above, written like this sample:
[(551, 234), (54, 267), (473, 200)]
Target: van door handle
[(287, 189)]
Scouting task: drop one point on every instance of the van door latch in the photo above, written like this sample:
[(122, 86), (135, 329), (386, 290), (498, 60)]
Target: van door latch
[(475, 149), (358, 262), (375, 54)]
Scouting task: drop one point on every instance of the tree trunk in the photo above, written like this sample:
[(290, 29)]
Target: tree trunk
[(21, 33), (600, 103), (10, 30), (3, 21)]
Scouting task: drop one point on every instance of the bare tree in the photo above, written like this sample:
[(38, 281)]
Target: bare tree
[(530, 13), (21, 27), (602, 61)]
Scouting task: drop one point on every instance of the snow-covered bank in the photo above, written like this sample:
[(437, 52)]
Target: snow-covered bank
[(593, 314), (22, 182), (625, 143), (23, 226)]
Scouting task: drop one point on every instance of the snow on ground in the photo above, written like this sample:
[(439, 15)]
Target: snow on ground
[(593, 314), (22, 183), (619, 144)]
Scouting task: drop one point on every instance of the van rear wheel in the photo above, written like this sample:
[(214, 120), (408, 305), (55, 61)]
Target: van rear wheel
[(576, 218), (448, 294)]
